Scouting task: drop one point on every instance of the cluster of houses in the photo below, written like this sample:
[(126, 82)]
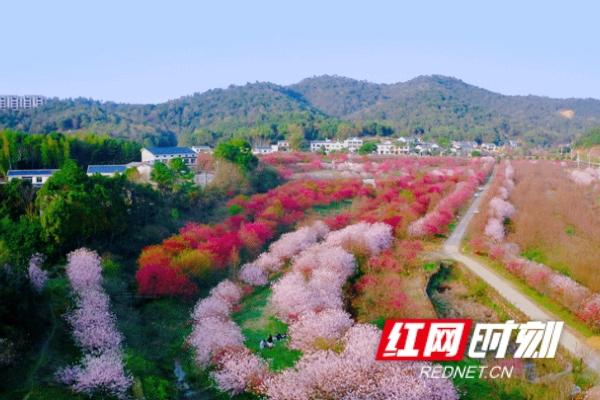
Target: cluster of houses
[(189, 155), (149, 156)]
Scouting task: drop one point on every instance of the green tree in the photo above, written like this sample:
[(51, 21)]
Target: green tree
[(367, 148), (163, 176), (65, 207), (237, 151), (264, 178)]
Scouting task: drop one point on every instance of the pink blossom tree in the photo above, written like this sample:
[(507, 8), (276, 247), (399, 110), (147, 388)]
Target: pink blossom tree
[(494, 229), (501, 209), (211, 335), (355, 374), (211, 306), (328, 325), (253, 274), (95, 331), (37, 276), (102, 373), (239, 370)]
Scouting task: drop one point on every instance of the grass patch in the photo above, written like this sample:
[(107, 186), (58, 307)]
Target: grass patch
[(472, 388), (570, 230), (257, 324), (533, 254), (332, 208), (430, 266)]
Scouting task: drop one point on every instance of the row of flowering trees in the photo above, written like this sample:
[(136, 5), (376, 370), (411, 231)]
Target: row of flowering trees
[(169, 268), (289, 244), (309, 298), (398, 199), (571, 294), (437, 220), (94, 329)]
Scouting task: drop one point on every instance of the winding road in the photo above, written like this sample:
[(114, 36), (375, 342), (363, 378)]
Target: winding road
[(571, 340)]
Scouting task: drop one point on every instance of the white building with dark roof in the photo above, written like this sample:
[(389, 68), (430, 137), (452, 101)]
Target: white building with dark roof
[(106, 170), (36, 176), (151, 155)]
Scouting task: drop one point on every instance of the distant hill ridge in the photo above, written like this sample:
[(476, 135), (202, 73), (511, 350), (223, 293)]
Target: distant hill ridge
[(322, 106)]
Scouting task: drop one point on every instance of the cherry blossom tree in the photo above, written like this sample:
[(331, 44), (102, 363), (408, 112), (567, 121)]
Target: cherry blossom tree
[(328, 325), (37, 276), (501, 209), (239, 370), (211, 306), (94, 330), (102, 373), (253, 274), (494, 229), (355, 374), (211, 335), (227, 291)]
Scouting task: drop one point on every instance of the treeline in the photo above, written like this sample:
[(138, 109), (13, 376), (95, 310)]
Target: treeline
[(295, 127), (326, 106), (20, 150), (115, 216), (590, 139), (109, 214), (72, 210)]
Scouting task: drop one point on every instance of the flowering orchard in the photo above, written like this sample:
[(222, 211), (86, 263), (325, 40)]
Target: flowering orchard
[(309, 298), (571, 294), (94, 329), (170, 267), (432, 190), (308, 270)]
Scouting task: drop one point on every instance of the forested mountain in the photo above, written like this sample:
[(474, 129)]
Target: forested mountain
[(323, 106)]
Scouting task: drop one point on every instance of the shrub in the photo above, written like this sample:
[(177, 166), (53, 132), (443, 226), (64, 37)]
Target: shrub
[(193, 262), (157, 280)]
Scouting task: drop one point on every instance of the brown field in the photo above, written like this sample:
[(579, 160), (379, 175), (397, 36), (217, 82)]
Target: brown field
[(557, 221)]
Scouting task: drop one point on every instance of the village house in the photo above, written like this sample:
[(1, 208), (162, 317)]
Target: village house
[(36, 176), (106, 170), (165, 154)]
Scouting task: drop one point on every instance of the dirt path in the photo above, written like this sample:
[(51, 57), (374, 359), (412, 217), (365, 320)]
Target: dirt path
[(570, 340)]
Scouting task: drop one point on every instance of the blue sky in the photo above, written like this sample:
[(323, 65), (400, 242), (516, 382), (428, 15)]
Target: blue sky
[(151, 51)]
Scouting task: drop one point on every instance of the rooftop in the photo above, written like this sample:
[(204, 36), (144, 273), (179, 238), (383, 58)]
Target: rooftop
[(30, 172), (105, 169), (170, 150)]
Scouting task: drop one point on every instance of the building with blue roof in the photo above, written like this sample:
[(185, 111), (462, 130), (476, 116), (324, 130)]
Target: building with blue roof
[(36, 176), (106, 170), (151, 155)]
